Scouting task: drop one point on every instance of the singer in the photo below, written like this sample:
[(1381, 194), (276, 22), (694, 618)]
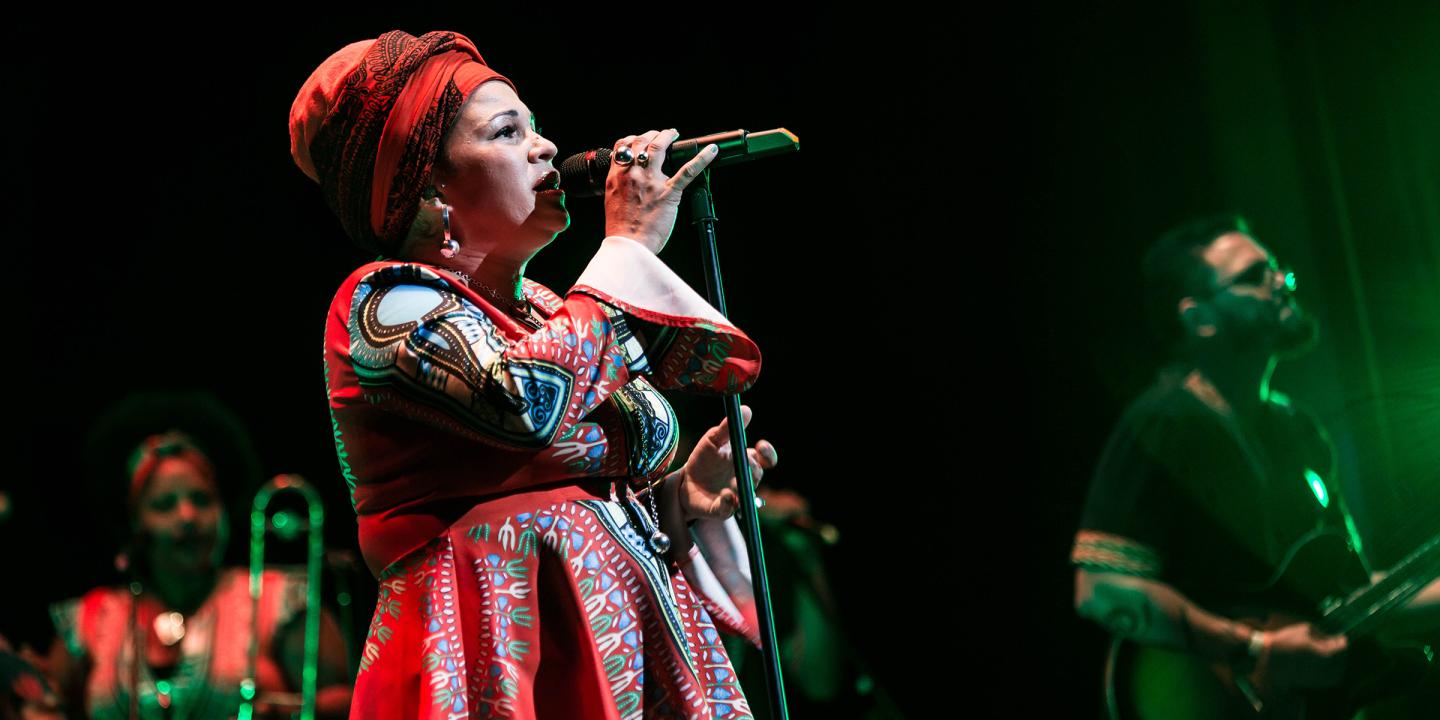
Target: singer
[(507, 448)]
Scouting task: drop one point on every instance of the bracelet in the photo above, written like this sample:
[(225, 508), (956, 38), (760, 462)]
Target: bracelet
[(1259, 640)]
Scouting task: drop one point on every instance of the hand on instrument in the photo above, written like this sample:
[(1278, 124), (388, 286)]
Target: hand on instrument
[(640, 202), (1298, 656), (708, 488)]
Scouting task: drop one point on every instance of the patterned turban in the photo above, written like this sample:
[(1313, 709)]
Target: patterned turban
[(368, 122)]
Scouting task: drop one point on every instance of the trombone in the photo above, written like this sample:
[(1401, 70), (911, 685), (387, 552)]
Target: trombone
[(288, 526)]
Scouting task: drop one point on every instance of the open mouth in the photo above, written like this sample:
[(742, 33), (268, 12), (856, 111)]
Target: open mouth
[(551, 181)]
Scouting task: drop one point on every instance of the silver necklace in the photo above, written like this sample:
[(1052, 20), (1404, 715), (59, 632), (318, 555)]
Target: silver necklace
[(514, 307)]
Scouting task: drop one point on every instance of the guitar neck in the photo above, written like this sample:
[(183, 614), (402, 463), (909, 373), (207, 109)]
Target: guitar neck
[(1362, 614)]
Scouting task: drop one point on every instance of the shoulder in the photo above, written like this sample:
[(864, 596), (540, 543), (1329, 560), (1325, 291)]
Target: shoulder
[(543, 298), (282, 592), (1164, 409), (237, 579), (388, 274), (395, 297), (77, 619)]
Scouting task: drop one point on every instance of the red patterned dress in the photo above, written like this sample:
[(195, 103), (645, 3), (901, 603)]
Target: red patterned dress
[(492, 467)]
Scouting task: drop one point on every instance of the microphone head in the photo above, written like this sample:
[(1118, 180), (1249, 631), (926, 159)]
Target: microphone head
[(583, 174)]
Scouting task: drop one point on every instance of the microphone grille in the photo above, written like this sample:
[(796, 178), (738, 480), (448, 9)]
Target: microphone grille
[(583, 174)]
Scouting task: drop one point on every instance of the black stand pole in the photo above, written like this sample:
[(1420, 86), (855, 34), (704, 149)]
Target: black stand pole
[(702, 216)]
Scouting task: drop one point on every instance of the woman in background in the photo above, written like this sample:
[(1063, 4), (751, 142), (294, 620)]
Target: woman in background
[(175, 642)]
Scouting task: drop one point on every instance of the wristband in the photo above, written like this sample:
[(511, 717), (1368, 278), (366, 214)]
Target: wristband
[(1259, 641)]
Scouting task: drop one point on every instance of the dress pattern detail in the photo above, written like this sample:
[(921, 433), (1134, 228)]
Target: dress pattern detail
[(631, 606), (494, 465)]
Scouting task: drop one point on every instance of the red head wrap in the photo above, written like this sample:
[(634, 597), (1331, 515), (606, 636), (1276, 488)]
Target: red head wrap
[(368, 122), (146, 460)]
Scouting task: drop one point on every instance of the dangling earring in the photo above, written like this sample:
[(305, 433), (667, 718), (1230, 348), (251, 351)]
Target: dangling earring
[(449, 247)]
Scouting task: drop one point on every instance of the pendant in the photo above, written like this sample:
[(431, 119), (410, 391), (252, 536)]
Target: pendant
[(659, 542), (170, 627)]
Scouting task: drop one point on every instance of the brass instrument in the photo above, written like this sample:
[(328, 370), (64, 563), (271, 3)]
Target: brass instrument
[(286, 525)]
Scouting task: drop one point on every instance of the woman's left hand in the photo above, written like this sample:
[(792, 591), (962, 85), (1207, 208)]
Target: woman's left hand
[(708, 488)]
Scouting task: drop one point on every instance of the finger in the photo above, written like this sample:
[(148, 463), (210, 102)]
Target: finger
[(757, 470), (626, 141), (718, 507), (768, 453), (722, 507), (719, 436), (645, 143), (730, 500), (658, 143), (691, 170), (660, 147)]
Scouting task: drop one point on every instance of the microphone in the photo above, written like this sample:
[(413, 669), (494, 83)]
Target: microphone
[(583, 174)]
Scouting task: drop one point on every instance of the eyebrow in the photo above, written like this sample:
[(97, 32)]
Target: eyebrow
[(534, 124)]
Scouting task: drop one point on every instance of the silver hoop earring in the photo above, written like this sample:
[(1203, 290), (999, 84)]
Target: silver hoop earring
[(449, 247)]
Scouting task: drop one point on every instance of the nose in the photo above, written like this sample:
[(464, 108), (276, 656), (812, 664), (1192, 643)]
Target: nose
[(544, 150), (1284, 281), (187, 512)]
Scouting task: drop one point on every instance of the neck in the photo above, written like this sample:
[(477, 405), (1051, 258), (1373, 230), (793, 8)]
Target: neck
[(483, 265), (500, 275), (184, 592), (1233, 385)]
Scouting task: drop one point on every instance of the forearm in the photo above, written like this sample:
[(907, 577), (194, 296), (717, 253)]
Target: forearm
[(1153, 613), (1420, 618), (333, 701), (673, 520)]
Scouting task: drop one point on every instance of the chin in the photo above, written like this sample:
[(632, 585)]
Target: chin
[(1298, 336), (549, 234)]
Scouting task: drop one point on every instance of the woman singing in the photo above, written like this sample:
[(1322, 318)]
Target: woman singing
[(507, 447)]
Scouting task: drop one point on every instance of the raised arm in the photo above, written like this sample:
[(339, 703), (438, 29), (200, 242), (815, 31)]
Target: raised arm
[(420, 345)]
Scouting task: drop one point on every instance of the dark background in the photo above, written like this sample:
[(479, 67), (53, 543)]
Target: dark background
[(943, 282)]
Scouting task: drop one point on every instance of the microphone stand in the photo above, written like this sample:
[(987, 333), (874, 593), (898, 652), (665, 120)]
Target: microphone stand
[(702, 216)]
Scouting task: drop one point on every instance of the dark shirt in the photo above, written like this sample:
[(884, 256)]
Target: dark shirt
[(1186, 496)]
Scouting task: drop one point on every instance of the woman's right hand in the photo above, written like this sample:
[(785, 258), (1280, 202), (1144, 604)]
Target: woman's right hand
[(640, 202)]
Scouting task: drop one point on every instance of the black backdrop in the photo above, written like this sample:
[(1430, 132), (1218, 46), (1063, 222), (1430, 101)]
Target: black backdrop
[(942, 281)]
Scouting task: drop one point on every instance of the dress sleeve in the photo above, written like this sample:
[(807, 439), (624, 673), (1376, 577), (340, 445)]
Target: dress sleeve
[(719, 573), (1125, 524), (686, 343), (420, 346)]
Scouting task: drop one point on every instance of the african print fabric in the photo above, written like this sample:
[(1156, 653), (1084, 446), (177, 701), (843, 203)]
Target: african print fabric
[(492, 464), (530, 607)]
